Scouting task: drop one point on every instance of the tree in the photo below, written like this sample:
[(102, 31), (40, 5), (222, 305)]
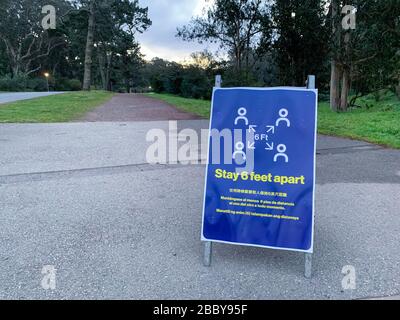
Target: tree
[(301, 44), (116, 39), (4, 66), (91, 36), (238, 26), (193, 80), (26, 42), (89, 46), (365, 58), (375, 50), (335, 71), (115, 19)]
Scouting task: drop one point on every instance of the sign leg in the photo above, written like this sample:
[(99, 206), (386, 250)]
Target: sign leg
[(308, 265), (207, 253), (311, 82), (208, 244), (308, 256)]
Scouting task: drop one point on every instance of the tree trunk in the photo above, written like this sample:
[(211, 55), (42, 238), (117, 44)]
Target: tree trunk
[(335, 86), (15, 71), (108, 71), (345, 89), (238, 57), (346, 74), (89, 48), (127, 85), (102, 70), (293, 71), (335, 70)]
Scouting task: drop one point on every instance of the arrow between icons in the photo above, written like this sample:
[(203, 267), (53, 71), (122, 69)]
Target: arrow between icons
[(251, 145), (270, 147), (252, 128), (271, 128)]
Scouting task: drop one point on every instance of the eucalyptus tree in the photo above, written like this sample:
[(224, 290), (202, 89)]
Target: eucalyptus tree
[(301, 39), (365, 57), (241, 27), (26, 43), (108, 21)]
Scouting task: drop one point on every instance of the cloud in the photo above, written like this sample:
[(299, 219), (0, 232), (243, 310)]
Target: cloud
[(167, 15)]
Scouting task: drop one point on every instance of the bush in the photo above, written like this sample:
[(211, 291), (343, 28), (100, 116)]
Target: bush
[(196, 88), (65, 84), (74, 85), (157, 85), (22, 83), (325, 97), (196, 84), (36, 84), (8, 83), (61, 84)]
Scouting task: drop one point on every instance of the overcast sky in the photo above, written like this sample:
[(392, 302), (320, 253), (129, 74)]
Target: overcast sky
[(167, 15)]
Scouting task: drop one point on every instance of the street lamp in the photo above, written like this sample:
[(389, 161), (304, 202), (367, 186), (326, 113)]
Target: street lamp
[(47, 75)]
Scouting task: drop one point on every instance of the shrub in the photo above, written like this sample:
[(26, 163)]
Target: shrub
[(36, 84), (197, 87), (157, 85), (325, 97), (8, 83), (74, 84), (65, 84)]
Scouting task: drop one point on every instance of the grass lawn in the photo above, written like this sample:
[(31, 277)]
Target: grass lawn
[(378, 123), (58, 108), (199, 107)]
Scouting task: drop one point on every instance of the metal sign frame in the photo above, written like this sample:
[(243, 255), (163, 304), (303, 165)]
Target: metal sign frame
[(207, 258)]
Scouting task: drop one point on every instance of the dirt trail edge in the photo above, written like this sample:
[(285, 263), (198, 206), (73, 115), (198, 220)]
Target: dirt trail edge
[(136, 107)]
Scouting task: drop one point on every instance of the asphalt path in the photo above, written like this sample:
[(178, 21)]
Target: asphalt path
[(81, 197), (7, 97)]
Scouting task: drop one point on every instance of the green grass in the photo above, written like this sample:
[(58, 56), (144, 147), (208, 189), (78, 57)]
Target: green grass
[(58, 108), (375, 122), (379, 123), (195, 106)]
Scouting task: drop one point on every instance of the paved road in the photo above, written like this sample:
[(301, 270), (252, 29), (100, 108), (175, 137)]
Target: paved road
[(136, 107), (80, 197), (16, 96)]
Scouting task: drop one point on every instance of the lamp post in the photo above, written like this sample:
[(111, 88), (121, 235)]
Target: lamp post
[(47, 75)]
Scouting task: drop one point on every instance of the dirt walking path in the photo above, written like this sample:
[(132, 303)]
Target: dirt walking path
[(136, 107)]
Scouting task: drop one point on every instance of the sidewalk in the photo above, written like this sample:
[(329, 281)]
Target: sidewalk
[(81, 197), (6, 97)]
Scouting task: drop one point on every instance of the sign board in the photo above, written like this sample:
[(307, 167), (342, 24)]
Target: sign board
[(260, 178)]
